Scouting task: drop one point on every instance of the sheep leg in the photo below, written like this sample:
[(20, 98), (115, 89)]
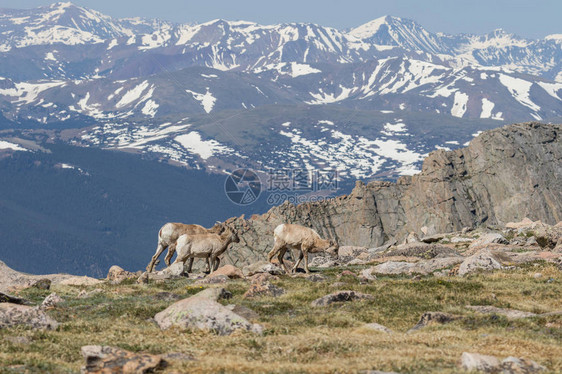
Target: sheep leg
[(217, 263), (276, 248), (305, 254), (280, 258), (190, 264), (301, 255), (159, 251), (170, 254)]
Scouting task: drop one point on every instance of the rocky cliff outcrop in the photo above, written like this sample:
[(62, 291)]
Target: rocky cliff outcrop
[(504, 175)]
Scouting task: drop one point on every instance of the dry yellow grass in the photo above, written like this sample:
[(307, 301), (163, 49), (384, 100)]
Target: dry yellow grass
[(299, 338)]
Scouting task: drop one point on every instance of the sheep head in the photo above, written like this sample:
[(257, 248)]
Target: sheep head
[(333, 248)]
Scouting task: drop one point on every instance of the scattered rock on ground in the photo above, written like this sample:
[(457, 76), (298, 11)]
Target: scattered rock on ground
[(509, 313), (262, 267), (341, 296), (201, 312), (51, 301), (42, 284), (421, 250), (263, 289), (323, 262), (215, 293), (84, 294), (247, 313), (5, 298), (230, 271), (20, 340), (263, 277), (484, 260), (478, 362), (489, 238), (514, 365), (491, 364), (368, 274), (80, 281), (105, 359), (429, 318), (378, 327), (117, 275), (216, 279), (14, 314)]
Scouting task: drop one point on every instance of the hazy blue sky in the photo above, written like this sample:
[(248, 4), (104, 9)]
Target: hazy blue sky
[(530, 18)]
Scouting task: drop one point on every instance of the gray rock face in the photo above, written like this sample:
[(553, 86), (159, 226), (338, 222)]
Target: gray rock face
[(202, 312), (481, 261), (14, 314), (482, 183)]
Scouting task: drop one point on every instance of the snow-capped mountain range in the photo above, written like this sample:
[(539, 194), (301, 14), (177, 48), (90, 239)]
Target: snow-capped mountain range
[(368, 101)]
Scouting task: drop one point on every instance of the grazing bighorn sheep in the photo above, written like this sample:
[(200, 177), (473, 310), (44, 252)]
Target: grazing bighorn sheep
[(169, 234), (208, 246), (302, 239)]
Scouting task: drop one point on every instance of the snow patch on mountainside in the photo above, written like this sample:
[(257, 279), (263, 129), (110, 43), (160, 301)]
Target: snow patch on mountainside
[(459, 106), (207, 99), (132, 95), (519, 89), (12, 146), (204, 148)]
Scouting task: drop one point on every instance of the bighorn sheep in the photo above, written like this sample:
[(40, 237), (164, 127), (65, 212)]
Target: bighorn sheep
[(169, 234), (302, 239), (208, 246)]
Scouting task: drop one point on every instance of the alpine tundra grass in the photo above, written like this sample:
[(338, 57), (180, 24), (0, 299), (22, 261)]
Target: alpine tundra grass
[(299, 338)]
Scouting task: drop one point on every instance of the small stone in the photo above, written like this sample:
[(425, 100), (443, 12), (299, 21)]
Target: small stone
[(216, 279), (117, 275), (514, 365), (433, 318), (377, 327), (201, 312), (368, 274), (347, 273), (263, 277), (262, 267), (478, 362), (263, 289), (84, 294), (509, 313), (105, 359), (487, 239), (340, 296), (143, 279), (481, 261), (537, 275), (247, 313), (80, 281), (20, 340), (14, 314), (230, 271), (315, 277), (51, 301), (337, 285), (42, 284)]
